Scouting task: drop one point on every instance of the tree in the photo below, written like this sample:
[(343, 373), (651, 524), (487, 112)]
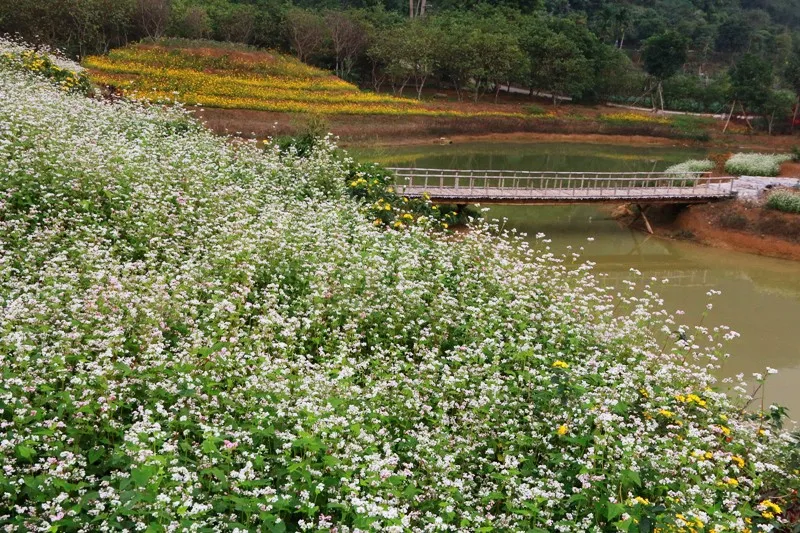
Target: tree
[(663, 56), (556, 64), (237, 23), (195, 23), (751, 83), (792, 77), (418, 48), (387, 56), (778, 105), (348, 37), (153, 16), (733, 35), (496, 56), (306, 32)]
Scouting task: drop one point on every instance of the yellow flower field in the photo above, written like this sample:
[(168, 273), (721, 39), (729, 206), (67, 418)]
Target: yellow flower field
[(245, 79)]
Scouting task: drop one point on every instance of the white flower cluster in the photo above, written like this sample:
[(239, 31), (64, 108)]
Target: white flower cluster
[(692, 168), (748, 164), (198, 334), (16, 48)]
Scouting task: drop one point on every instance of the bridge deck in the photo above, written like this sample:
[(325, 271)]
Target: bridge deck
[(510, 187)]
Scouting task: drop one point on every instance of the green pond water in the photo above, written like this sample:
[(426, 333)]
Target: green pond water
[(760, 296)]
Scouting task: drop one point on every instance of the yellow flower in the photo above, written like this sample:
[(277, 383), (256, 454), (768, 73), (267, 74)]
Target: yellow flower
[(666, 413), (642, 501), (560, 364), (738, 460), (377, 222), (769, 505), (444, 225), (562, 430), (732, 481)]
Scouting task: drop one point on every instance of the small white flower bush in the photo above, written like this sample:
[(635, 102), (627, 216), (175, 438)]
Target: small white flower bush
[(200, 335), (692, 166), (691, 169), (743, 164)]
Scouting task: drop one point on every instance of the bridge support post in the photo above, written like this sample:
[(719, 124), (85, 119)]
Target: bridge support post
[(642, 212)]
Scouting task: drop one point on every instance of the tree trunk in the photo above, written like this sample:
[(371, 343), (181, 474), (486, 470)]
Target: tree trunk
[(746, 118), (622, 39), (411, 9), (796, 109), (496, 91), (457, 87)]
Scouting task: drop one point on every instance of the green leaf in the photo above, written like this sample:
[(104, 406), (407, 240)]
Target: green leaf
[(209, 446), (142, 475), (624, 525), (613, 510), (25, 452), (94, 454), (631, 477)]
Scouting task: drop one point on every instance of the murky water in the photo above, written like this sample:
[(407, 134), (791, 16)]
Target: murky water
[(760, 296)]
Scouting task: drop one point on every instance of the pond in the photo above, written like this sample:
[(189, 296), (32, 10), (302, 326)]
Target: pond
[(760, 296)]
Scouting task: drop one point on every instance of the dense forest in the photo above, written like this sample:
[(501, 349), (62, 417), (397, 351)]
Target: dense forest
[(693, 55)]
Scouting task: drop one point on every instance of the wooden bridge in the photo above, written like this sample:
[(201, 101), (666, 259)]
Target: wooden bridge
[(531, 188)]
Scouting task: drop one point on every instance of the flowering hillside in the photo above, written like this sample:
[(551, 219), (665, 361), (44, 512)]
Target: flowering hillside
[(198, 334), (203, 73)]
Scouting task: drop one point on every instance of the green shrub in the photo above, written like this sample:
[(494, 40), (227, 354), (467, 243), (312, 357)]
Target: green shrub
[(733, 220), (788, 202), (749, 164)]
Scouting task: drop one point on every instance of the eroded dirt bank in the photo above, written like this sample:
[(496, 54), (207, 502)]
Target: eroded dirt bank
[(732, 225)]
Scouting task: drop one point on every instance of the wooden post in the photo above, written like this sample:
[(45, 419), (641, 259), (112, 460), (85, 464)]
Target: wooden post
[(644, 217), (729, 117)]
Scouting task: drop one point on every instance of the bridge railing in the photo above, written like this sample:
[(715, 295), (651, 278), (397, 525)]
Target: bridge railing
[(527, 183)]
